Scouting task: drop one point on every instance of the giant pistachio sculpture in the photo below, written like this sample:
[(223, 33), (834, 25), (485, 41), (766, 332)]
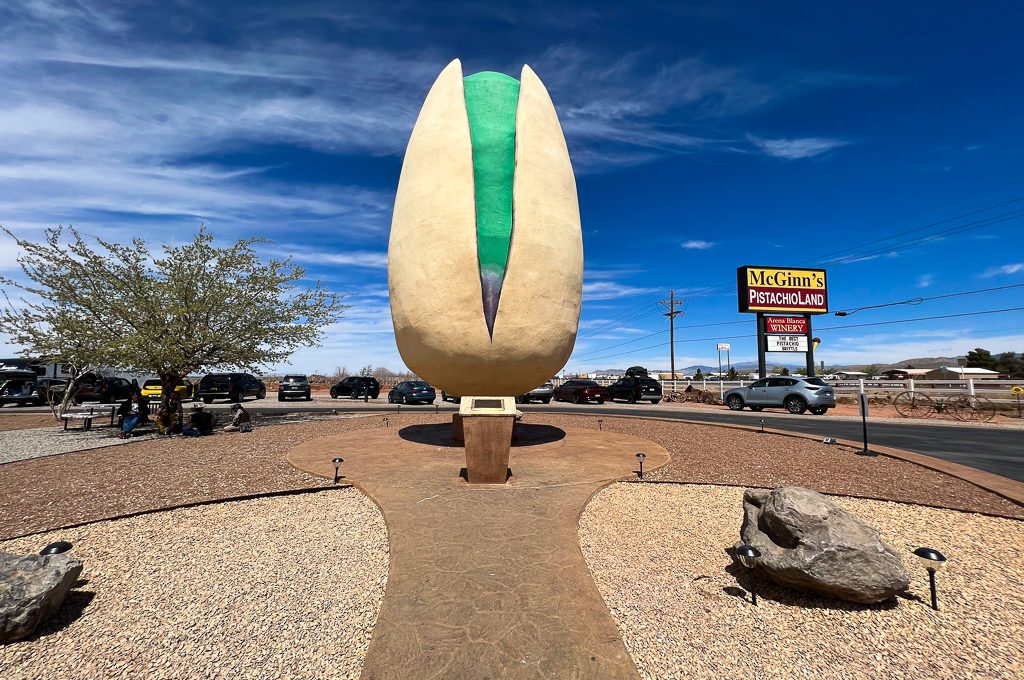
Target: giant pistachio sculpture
[(485, 262)]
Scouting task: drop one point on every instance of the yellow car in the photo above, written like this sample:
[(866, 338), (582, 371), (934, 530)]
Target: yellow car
[(152, 391)]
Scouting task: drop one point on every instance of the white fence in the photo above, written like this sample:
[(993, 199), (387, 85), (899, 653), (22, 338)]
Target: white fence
[(995, 390)]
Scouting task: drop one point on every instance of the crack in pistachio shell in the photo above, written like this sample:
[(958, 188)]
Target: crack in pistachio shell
[(491, 101)]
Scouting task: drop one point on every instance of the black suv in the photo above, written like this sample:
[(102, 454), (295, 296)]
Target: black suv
[(230, 386), (294, 387), (635, 389), (356, 386)]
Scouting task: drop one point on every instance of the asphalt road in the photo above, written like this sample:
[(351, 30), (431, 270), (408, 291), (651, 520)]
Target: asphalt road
[(993, 449)]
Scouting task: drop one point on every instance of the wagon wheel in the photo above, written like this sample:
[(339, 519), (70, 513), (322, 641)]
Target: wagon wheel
[(966, 407), (961, 407), (914, 405), (984, 409)]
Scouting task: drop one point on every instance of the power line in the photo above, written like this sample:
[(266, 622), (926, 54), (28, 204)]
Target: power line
[(827, 328), (919, 300)]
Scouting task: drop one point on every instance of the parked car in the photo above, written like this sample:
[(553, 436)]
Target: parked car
[(412, 391), (356, 386), (636, 389), (795, 394), (542, 393), (578, 391), (230, 386), (152, 390), (105, 390), (455, 399), (294, 387), (23, 392)]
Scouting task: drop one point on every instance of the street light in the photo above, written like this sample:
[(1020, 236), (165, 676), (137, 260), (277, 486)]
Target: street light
[(56, 548), (640, 457), (932, 560), (337, 467), (748, 555)]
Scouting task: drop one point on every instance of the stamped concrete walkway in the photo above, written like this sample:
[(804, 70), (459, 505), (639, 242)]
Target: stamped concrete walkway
[(487, 582)]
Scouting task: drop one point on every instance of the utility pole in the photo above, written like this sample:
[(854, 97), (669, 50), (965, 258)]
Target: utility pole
[(670, 305)]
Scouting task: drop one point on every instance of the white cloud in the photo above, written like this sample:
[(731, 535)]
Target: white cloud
[(358, 258), (925, 280), (796, 148), (697, 245), (1005, 269), (610, 290)]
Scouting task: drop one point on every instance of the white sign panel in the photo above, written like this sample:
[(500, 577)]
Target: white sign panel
[(724, 347), (787, 343)]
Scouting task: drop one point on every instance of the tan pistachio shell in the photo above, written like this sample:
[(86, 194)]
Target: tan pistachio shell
[(433, 268)]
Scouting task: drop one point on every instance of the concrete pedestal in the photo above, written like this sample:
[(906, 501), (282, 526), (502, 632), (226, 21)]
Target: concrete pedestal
[(486, 428), (488, 440)]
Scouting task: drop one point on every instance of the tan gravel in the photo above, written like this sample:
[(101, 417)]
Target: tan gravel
[(275, 587), (658, 555)]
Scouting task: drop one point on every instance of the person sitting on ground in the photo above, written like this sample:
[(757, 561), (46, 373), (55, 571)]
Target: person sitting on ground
[(169, 418), (241, 422), (132, 412), (200, 423)]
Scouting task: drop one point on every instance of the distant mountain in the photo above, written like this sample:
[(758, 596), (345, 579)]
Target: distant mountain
[(920, 362)]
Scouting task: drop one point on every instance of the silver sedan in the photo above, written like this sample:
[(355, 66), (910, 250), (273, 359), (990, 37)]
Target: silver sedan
[(793, 393)]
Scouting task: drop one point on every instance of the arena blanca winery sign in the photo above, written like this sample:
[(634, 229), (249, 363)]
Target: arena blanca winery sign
[(785, 290)]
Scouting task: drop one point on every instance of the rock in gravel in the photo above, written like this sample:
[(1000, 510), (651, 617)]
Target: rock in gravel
[(808, 542), (32, 588)]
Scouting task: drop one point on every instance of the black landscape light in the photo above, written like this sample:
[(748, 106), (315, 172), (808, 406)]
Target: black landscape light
[(762, 425), (933, 560), (56, 548), (437, 409), (337, 468), (748, 555), (399, 409), (640, 457), (600, 425), (386, 422), (334, 411)]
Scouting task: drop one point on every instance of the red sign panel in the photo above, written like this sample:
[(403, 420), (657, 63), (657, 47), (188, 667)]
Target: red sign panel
[(786, 325)]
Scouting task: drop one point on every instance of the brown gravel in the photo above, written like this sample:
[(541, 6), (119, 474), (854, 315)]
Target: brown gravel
[(61, 490), (24, 421), (719, 455), (274, 587), (657, 554)]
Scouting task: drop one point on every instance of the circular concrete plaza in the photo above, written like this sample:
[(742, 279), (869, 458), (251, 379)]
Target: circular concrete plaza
[(234, 556)]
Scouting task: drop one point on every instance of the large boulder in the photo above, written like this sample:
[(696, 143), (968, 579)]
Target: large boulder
[(807, 542), (32, 588)]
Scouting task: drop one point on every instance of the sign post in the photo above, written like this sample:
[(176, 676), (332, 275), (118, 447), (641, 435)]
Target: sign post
[(864, 420), (784, 300)]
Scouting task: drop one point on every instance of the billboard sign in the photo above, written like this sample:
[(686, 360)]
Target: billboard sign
[(782, 289), (785, 325), (787, 343)]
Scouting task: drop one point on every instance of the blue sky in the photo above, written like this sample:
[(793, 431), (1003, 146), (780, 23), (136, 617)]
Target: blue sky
[(705, 136)]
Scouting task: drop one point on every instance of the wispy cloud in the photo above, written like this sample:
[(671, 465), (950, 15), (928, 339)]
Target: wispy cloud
[(925, 280), (697, 245), (1003, 270), (796, 148), (610, 290), (358, 258)]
